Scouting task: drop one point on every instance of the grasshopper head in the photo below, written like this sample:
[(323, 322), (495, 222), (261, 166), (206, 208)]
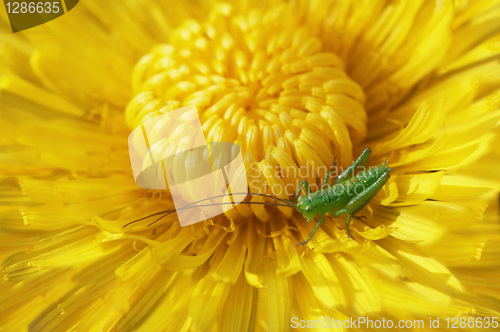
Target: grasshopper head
[(305, 207)]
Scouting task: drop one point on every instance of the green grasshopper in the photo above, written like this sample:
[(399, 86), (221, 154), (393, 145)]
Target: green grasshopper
[(343, 197)]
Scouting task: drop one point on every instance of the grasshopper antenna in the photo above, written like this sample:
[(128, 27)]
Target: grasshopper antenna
[(190, 207), (166, 213)]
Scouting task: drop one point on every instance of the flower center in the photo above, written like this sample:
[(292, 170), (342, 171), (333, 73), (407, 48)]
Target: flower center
[(258, 80)]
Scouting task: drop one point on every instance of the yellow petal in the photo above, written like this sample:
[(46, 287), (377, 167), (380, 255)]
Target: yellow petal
[(424, 270), (279, 298), (207, 302), (323, 279)]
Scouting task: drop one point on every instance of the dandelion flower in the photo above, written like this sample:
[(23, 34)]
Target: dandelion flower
[(295, 85)]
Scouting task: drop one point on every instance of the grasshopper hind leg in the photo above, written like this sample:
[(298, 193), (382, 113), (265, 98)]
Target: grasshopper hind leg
[(360, 201), (304, 184), (327, 177), (348, 173), (347, 222)]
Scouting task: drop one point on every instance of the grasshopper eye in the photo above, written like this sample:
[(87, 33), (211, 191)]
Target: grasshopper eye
[(308, 208)]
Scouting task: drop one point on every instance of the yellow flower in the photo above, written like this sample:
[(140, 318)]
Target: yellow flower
[(295, 85)]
